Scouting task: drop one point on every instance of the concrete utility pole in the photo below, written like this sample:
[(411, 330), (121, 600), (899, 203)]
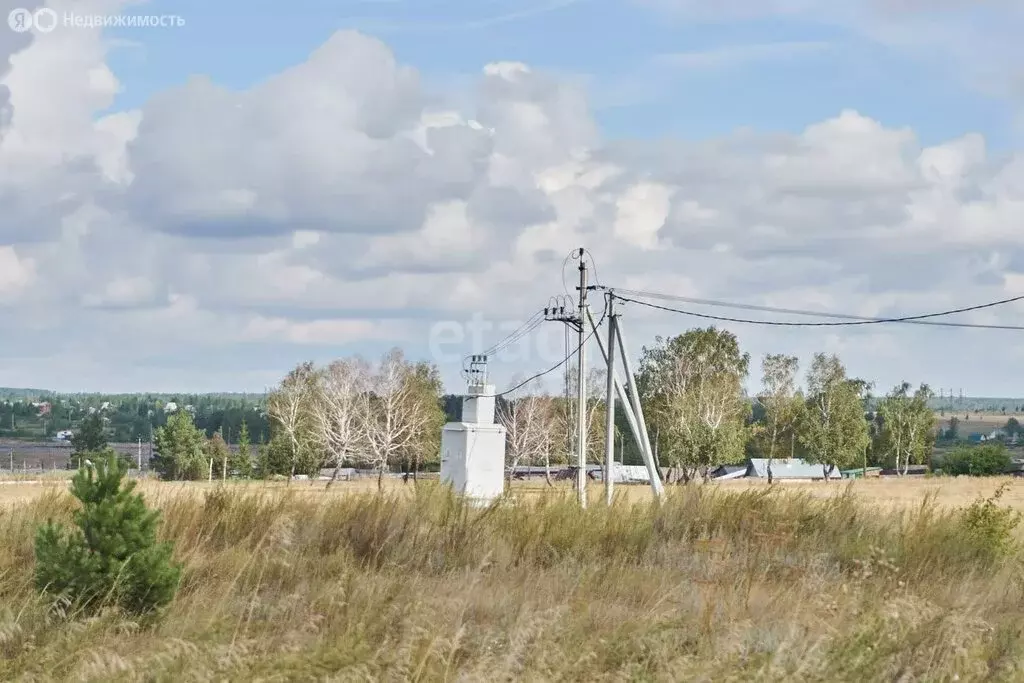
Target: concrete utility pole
[(140, 455), (609, 404), (581, 393), (633, 412)]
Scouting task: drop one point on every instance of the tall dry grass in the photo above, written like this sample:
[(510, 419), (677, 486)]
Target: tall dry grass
[(712, 585)]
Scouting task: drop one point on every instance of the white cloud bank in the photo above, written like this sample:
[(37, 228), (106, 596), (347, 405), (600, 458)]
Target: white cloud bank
[(215, 238)]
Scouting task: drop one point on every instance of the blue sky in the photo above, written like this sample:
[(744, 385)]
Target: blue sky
[(817, 69)]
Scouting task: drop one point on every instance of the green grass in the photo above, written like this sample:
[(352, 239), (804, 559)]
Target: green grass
[(712, 585)]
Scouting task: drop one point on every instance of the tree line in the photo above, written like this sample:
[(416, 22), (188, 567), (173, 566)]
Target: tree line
[(387, 415), (699, 415), (129, 418)]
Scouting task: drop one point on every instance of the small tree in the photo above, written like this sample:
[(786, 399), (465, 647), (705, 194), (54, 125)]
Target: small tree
[(833, 428), (114, 556), (780, 400), (290, 407), (401, 406), (907, 426), (179, 449), (216, 449), (88, 439), (529, 422), (240, 461), (953, 433), (338, 410)]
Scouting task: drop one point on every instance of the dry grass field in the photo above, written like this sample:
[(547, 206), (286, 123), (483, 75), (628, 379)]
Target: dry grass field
[(804, 582), (908, 492), (972, 422)]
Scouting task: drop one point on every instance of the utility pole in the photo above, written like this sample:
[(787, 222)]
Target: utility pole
[(631, 409), (609, 404), (581, 393)]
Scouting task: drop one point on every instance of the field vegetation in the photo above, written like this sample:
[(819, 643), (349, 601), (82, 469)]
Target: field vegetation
[(717, 583)]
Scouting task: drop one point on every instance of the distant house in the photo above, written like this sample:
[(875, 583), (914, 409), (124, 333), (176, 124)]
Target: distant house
[(44, 408), (170, 407), (789, 469)]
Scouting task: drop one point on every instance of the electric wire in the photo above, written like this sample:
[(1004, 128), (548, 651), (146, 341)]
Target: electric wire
[(593, 264), (565, 262), (531, 324), (849, 320), (560, 363)]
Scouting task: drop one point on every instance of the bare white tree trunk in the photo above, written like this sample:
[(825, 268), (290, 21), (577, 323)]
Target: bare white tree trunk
[(341, 410)]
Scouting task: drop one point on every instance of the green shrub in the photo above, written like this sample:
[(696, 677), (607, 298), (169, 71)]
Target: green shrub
[(987, 528), (113, 557), (978, 461)]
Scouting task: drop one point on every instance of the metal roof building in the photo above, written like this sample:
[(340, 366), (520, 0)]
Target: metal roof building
[(788, 468)]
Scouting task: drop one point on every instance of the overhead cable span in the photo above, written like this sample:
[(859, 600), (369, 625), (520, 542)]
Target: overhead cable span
[(846, 319)]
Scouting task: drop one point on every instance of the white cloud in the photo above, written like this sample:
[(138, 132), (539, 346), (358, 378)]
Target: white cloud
[(642, 210), (15, 273), (339, 207)]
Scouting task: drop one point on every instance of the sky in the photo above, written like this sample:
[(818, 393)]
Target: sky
[(201, 205)]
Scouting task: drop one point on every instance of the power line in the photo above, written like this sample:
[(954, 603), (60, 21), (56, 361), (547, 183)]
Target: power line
[(557, 365), (531, 324), (850, 320)]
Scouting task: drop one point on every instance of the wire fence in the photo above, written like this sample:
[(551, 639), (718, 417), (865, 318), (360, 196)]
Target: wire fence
[(45, 456)]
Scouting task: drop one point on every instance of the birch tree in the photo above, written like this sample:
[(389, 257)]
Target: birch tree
[(397, 412), (907, 426), (528, 421), (692, 386), (291, 405), (428, 416), (833, 428), (593, 412), (780, 400), (340, 411)]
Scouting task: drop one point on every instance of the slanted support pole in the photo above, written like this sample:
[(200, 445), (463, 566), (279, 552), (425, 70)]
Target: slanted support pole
[(630, 411), (637, 409), (609, 404)]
